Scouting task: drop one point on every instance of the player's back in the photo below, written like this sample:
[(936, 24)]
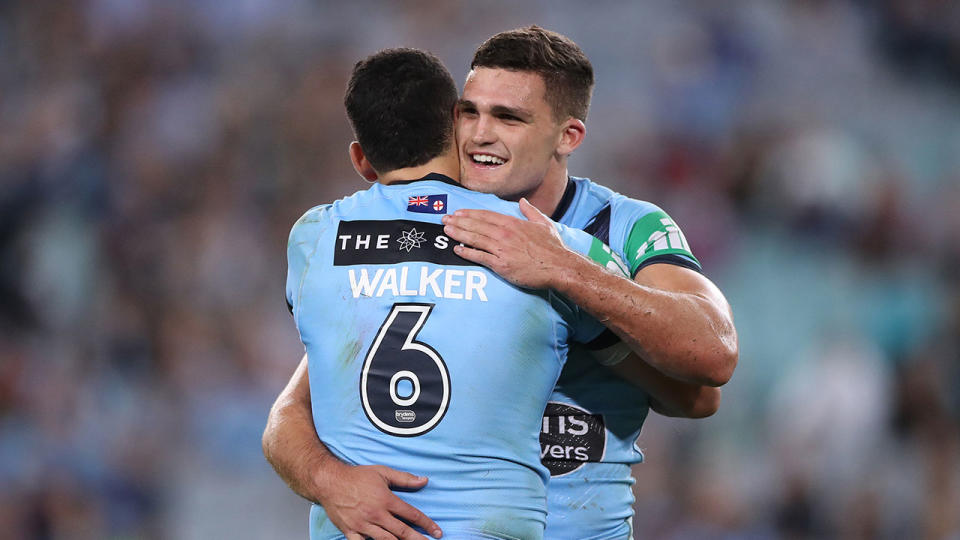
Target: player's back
[(424, 362)]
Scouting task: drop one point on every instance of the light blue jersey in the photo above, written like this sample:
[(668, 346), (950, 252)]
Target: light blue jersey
[(425, 362), (589, 431)]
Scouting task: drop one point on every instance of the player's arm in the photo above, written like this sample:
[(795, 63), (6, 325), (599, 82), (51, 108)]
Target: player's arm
[(357, 499), (673, 317), (669, 396)]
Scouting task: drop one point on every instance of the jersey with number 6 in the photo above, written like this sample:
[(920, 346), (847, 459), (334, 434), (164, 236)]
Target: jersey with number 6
[(425, 362), (594, 418)]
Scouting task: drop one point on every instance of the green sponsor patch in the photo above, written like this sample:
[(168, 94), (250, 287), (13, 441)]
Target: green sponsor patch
[(603, 255), (654, 234)]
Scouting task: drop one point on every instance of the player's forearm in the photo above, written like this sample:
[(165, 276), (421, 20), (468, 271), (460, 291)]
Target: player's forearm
[(669, 396), (684, 335), (290, 442), (294, 454)]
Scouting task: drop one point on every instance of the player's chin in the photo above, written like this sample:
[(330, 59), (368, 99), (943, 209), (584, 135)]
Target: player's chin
[(485, 180)]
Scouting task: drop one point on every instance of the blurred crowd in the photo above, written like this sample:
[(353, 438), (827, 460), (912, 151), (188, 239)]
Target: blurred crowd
[(153, 155)]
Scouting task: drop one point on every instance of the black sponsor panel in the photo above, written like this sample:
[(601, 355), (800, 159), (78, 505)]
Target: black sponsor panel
[(394, 241), (570, 437)]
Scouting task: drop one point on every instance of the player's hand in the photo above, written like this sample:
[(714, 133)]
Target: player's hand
[(528, 253), (359, 501)]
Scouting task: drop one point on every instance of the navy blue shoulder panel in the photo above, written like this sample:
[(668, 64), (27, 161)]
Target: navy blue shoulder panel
[(599, 226)]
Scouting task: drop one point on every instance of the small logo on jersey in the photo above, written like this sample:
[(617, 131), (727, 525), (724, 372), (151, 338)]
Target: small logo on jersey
[(405, 416), (430, 204), (411, 239), (570, 437)]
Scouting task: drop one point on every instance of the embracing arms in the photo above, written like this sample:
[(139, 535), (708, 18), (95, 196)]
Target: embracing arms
[(676, 322), (357, 499), (672, 317)]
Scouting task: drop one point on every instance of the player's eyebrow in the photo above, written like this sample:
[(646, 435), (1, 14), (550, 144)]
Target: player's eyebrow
[(465, 104), (522, 114), (496, 110)]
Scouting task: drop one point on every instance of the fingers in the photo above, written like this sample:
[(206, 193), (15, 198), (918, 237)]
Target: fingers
[(458, 227), (531, 212), (402, 531), (389, 528), (469, 237), (481, 229), (402, 510), (476, 255), (412, 515), (385, 524), (377, 533), (402, 479)]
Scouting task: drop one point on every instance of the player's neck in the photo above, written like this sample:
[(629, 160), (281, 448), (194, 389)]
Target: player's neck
[(548, 194), (447, 164)]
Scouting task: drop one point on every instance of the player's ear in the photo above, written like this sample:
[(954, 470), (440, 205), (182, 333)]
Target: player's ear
[(360, 163), (572, 134)]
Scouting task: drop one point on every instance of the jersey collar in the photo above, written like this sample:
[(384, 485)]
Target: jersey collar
[(431, 176), (565, 201), (562, 206)]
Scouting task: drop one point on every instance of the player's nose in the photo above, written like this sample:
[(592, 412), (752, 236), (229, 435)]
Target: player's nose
[(483, 131)]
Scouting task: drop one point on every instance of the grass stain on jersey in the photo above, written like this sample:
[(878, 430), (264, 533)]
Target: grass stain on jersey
[(509, 528), (349, 353)]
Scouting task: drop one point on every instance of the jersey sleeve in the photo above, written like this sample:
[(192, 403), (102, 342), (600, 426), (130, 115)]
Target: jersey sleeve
[(301, 248), (648, 235)]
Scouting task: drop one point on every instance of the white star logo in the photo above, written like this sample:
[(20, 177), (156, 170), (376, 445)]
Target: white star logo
[(411, 239)]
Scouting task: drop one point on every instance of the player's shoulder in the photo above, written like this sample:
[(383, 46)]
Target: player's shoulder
[(314, 215), (600, 196), (318, 218), (607, 214), (637, 230), (327, 212), (306, 230)]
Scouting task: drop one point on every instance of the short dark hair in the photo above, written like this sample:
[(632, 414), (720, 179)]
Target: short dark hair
[(400, 103), (566, 70)]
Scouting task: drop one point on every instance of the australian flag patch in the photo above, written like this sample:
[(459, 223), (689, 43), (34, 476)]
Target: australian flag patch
[(429, 204)]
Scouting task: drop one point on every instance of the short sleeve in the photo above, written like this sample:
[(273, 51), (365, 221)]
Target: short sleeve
[(652, 236), (301, 248)]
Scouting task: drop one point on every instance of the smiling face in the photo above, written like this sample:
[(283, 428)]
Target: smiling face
[(509, 141)]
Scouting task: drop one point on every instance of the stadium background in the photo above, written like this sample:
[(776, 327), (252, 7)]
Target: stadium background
[(153, 155)]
